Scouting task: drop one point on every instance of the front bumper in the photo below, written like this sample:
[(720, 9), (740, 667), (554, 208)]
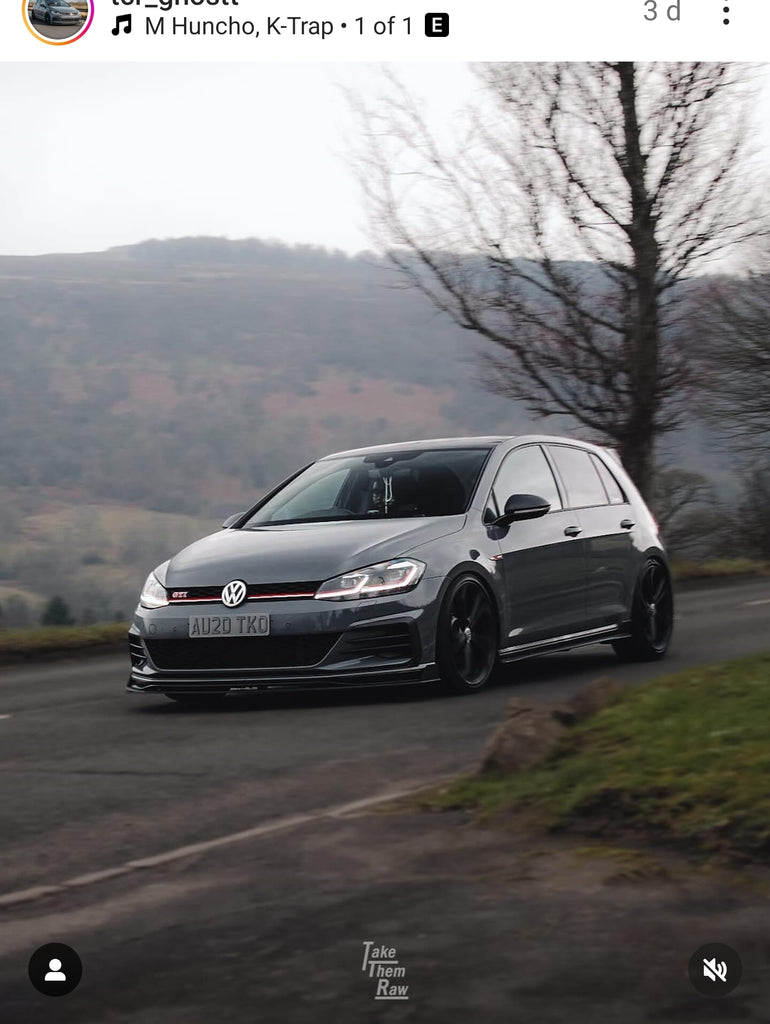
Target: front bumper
[(311, 644)]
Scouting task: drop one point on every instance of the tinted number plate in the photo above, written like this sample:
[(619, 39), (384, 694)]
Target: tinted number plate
[(229, 625)]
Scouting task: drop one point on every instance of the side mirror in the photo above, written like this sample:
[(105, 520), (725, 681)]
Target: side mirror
[(523, 506), (231, 519)]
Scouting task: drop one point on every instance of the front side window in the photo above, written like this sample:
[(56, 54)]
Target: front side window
[(584, 488), (430, 482), (526, 471)]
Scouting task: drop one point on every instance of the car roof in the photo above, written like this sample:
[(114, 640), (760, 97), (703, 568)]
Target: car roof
[(487, 441), (433, 442)]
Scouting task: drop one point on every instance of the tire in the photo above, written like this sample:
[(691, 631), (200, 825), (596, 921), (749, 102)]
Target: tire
[(652, 615), (48, 19), (198, 700), (466, 636)]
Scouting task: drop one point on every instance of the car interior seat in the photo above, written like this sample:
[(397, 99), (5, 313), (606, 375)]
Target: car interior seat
[(441, 493), (407, 496)]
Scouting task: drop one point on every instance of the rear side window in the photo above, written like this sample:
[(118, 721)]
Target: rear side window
[(526, 471), (611, 486), (584, 488)]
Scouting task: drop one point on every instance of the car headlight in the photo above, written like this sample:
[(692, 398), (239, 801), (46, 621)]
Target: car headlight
[(385, 578), (153, 594)]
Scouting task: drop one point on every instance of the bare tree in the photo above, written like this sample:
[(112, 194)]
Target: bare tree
[(690, 516), (735, 354), (753, 518), (561, 222), (679, 491)]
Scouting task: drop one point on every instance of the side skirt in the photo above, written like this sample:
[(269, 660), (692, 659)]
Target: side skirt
[(604, 635)]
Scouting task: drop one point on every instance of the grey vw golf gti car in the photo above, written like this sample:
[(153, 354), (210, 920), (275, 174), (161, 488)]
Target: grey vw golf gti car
[(55, 12), (429, 560)]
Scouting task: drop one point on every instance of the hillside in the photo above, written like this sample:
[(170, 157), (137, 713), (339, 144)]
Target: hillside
[(183, 377), (187, 383)]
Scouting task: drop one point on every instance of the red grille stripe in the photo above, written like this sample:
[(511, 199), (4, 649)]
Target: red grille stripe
[(250, 597)]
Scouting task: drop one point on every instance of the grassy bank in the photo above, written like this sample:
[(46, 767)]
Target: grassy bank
[(685, 571), (686, 758), (18, 644)]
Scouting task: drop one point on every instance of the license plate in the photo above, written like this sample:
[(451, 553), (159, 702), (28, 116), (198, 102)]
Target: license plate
[(228, 625)]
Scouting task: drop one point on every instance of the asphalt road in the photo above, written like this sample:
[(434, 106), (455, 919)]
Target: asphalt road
[(56, 31), (94, 780)]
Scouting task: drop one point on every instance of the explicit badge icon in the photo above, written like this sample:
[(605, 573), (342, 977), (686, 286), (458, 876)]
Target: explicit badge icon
[(437, 25)]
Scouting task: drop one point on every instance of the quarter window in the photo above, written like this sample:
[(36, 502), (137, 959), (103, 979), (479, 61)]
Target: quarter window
[(584, 488), (611, 485), (526, 471)]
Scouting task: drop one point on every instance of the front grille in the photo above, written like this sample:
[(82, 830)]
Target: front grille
[(242, 652), (391, 642), (254, 592)]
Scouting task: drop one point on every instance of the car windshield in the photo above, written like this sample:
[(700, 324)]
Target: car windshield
[(427, 482), (58, 3)]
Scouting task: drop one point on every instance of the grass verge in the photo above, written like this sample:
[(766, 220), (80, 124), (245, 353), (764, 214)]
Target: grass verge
[(17, 644), (717, 568), (686, 758)]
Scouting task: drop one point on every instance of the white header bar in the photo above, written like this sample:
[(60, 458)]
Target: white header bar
[(384, 30)]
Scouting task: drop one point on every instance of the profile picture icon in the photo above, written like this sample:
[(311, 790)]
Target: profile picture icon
[(55, 969), (58, 22), (55, 973)]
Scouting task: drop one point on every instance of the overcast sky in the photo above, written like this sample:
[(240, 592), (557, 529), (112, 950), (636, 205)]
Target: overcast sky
[(95, 155)]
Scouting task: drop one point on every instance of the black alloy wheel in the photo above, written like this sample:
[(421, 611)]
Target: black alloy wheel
[(466, 641), (48, 19), (652, 619)]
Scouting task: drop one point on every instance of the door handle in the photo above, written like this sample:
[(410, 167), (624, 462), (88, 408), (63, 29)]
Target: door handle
[(572, 531), (626, 524)]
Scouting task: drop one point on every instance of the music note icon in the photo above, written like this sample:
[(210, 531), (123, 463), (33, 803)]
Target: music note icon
[(125, 21)]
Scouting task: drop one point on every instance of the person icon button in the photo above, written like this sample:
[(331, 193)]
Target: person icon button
[(55, 973), (55, 969)]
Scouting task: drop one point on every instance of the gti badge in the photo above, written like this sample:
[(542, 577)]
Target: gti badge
[(234, 593)]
